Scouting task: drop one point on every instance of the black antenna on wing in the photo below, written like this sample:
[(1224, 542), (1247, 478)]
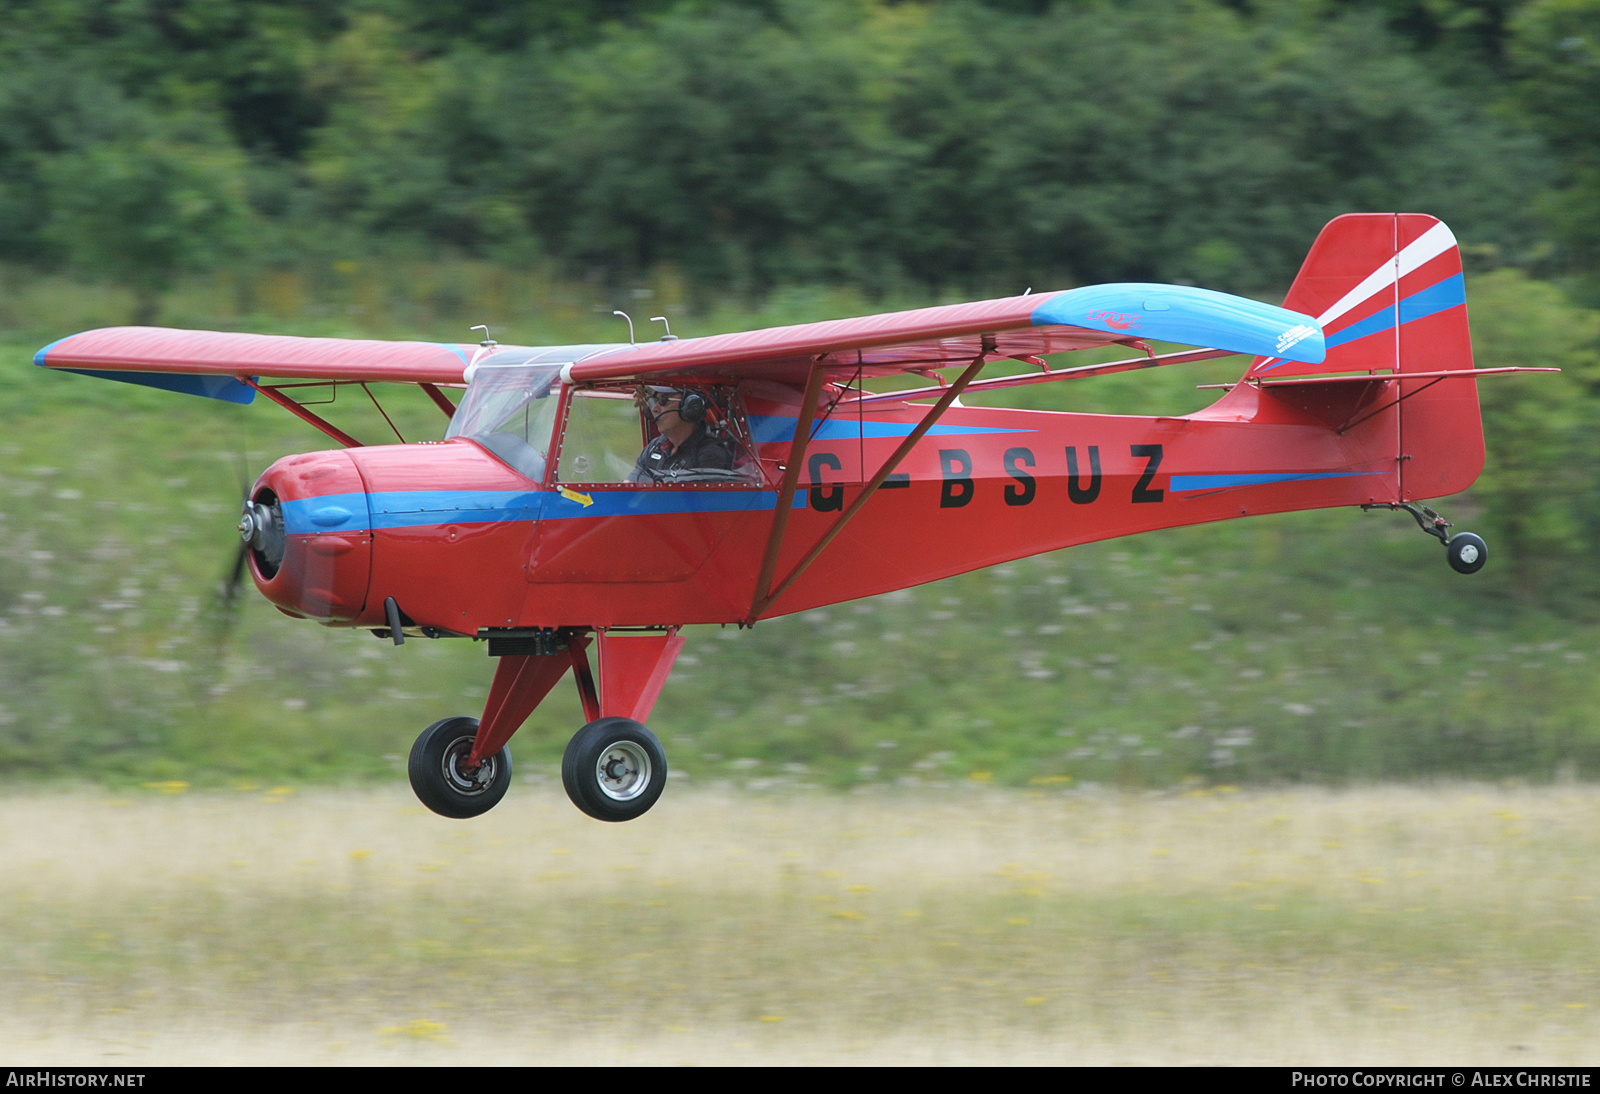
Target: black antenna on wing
[(487, 345)]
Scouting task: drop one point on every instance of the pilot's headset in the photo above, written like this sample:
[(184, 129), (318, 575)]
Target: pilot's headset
[(694, 407)]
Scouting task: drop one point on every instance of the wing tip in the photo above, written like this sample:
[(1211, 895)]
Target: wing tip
[(39, 358)]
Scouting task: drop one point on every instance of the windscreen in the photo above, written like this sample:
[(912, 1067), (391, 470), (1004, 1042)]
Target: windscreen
[(510, 410)]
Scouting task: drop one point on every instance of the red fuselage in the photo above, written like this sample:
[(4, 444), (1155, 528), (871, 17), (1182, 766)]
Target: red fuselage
[(463, 542)]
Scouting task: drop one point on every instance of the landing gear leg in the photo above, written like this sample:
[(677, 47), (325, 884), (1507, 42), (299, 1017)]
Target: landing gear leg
[(1465, 552)]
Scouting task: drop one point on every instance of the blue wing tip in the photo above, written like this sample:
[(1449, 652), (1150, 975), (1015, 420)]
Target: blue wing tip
[(38, 358)]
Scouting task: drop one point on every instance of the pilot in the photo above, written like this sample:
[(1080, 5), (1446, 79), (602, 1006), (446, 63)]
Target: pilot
[(684, 444)]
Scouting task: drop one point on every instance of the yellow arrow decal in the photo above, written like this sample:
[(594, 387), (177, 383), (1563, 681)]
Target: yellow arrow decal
[(572, 495)]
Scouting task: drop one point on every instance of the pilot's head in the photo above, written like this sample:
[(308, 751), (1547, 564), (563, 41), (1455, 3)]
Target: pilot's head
[(667, 406)]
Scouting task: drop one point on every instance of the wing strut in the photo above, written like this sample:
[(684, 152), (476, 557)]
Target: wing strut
[(303, 414), (440, 399), (936, 411), (791, 478)]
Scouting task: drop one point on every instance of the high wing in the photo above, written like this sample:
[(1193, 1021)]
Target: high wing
[(221, 365), (1020, 327)]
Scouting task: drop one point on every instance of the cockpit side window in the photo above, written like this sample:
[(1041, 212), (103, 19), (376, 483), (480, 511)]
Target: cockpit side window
[(656, 436), (600, 438)]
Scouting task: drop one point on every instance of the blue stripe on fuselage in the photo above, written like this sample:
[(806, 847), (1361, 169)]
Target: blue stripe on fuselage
[(1183, 483), (426, 508)]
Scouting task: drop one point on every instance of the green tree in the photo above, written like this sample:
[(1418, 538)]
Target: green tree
[(142, 211), (1555, 51), (50, 107), (950, 146), (1541, 481)]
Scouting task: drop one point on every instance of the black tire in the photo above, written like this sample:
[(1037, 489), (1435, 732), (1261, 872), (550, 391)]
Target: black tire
[(1467, 553), (614, 769), (436, 775)]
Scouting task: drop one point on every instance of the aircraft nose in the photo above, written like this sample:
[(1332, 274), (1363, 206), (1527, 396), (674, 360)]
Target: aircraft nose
[(261, 528), (309, 543)]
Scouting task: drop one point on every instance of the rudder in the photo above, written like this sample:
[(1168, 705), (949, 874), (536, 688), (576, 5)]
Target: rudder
[(1388, 290)]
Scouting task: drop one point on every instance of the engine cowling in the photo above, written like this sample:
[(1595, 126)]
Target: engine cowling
[(309, 530)]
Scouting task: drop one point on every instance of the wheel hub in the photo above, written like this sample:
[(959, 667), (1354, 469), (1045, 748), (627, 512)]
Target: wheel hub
[(454, 766), (623, 771)]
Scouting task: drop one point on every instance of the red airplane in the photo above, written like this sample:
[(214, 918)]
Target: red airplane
[(589, 501)]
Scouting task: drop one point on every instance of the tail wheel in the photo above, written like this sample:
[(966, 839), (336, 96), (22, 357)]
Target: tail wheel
[(439, 775), (1467, 553), (614, 769)]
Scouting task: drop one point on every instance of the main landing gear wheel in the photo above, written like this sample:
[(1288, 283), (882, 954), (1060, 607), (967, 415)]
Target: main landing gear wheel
[(438, 775), (614, 769), (1467, 553)]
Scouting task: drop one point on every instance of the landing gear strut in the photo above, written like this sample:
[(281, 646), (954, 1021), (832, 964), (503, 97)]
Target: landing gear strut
[(614, 768), (1465, 552)]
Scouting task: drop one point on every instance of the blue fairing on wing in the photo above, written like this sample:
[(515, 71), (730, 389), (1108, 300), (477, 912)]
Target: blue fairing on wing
[(769, 429), (225, 388), (38, 358), (1187, 315)]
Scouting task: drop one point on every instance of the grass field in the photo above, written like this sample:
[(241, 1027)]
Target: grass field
[(263, 925)]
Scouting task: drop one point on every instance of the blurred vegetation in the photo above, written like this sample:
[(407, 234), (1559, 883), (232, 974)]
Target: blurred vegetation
[(907, 146), (396, 168), (1200, 926)]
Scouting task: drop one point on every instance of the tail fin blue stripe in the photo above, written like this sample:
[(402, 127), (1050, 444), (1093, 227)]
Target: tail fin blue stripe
[(1449, 293)]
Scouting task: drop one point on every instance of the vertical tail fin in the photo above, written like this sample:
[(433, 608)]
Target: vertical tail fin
[(1389, 293)]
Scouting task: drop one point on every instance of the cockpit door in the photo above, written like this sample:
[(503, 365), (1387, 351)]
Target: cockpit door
[(605, 521)]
